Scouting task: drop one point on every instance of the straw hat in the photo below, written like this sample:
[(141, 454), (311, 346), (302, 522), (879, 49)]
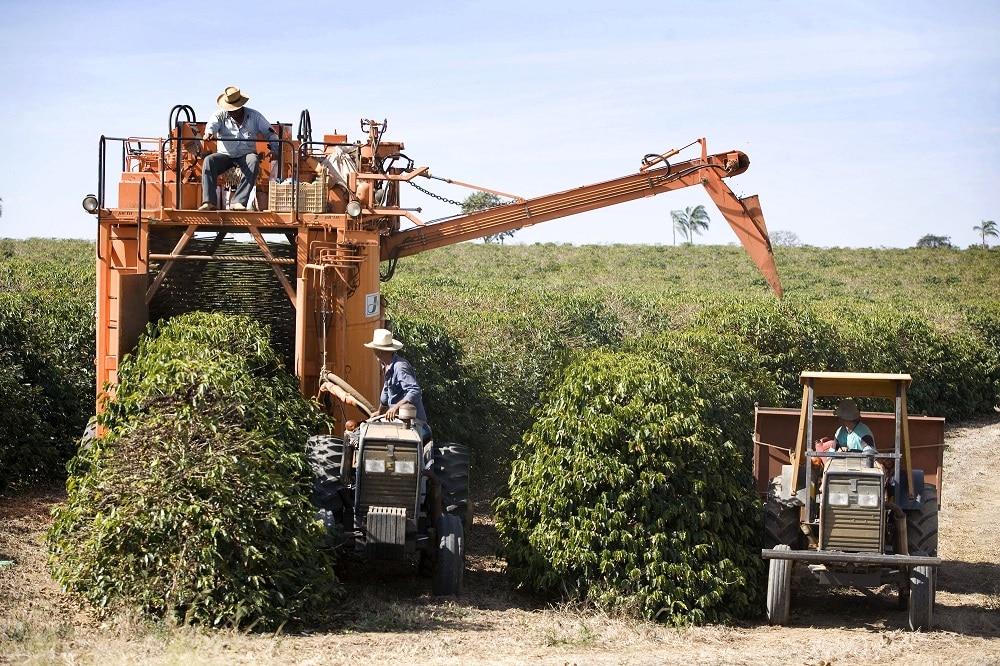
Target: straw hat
[(848, 410), (232, 99), (382, 339)]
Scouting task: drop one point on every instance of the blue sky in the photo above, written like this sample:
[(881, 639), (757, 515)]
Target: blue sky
[(867, 124)]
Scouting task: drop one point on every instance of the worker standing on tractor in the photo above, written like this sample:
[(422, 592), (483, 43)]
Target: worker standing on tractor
[(236, 127), (401, 387), (852, 435)]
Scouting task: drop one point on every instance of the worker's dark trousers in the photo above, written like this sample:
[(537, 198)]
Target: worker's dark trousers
[(217, 164)]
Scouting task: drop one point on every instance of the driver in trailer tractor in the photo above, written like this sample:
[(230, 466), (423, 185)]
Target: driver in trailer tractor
[(853, 434)]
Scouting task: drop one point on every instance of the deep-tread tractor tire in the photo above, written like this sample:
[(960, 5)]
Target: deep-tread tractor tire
[(779, 589), (451, 467), (781, 521), (449, 570), (922, 524), (325, 454)]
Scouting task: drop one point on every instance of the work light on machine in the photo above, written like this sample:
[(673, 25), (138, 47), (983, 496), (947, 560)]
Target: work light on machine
[(354, 209), (90, 203)]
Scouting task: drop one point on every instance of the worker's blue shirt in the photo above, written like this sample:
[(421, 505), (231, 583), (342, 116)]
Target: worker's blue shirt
[(854, 440), (400, 383), (239, 140)]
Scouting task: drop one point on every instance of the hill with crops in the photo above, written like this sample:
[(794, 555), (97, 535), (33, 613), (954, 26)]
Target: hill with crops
[(606, 394)]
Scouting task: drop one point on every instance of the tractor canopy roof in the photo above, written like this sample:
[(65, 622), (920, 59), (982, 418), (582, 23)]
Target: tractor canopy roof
[(856, 384)]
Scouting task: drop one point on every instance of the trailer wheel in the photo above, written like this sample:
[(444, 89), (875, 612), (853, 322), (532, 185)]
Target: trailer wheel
[(451, 466), (450, 567), (779, 589), (922, 524), (921, 606), (325, 454), (781, 521)]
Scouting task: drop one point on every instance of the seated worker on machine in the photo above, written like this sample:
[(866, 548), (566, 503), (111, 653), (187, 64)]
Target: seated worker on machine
[(236, 126), (852, 435)]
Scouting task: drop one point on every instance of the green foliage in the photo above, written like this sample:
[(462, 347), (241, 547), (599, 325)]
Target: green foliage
[(625, 496), (952, 375), (482, 201), (789, 338), (728, 374), (690, 221), (987, 228), (932, 241), (519, 313), (30, 446), (47, 355), (984, 322), (195, 502)]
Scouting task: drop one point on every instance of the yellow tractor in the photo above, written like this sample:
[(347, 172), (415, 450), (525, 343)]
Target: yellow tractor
[(855, 518)]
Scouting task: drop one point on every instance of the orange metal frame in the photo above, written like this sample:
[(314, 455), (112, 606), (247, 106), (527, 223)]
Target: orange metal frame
[(337, 256)]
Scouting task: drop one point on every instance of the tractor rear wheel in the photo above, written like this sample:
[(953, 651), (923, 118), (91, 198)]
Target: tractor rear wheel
[(449, 569), (451, 466), (325, 454), (779, 589), (921, 605), (781, 521), (922, 524)]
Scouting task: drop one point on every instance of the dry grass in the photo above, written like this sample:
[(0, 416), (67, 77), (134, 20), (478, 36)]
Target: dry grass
[(393, 619)]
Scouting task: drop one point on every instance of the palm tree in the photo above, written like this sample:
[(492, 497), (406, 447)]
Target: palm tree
[(690, 221), (987, 228)]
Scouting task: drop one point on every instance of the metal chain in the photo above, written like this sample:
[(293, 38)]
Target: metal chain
[(436, 196)]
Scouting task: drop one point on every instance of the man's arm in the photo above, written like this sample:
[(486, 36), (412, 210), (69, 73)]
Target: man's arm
[(212, 126), (264, 127), (408, 382)]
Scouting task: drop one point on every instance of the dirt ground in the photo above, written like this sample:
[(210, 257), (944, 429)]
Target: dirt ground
[(395, 620)]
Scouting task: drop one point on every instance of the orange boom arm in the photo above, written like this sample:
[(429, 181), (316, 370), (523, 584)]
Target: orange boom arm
[(743, 215)]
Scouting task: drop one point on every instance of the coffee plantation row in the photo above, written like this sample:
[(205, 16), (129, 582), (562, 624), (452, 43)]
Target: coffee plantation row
[(607, 383)]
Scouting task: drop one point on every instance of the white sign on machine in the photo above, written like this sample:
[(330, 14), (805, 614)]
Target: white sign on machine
[(371, 305)]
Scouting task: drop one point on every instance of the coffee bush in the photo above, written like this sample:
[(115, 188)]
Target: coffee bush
[(451, 394), (790, 337), (952, 373), (984, 321), (195, 501), (47, 356), (623, 495), (727, 373), (43, 403)]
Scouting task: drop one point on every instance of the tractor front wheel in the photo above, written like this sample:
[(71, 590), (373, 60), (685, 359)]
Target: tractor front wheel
[(779, 588), (450, 566), (921, 606)]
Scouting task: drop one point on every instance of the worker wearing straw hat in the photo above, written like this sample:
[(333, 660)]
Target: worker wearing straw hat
[(236, 126), (401, 387)]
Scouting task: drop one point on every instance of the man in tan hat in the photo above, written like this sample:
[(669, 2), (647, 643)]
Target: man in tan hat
[(401, 387), (852, 435), (236, 126)]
